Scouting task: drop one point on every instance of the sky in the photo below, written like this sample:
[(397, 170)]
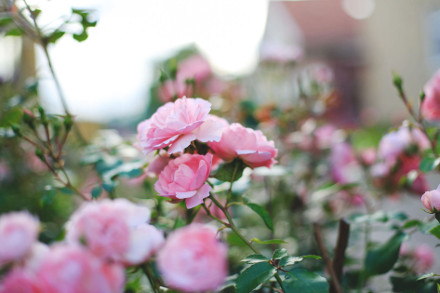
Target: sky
[(108, 76)]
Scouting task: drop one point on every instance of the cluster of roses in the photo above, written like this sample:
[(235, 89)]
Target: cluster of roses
[(399, 156), (106, 236), (187, 125), (102, 238), (89, 260)]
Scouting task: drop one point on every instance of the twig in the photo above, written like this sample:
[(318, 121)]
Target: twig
[(328, 262)]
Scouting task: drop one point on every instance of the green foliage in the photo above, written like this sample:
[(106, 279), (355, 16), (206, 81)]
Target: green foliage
[(379, 217), (85, 22), (255, 258), (262, 212), (381, 259), (230, 172), (435, 231), (411, 284), (429, 163), (266, 242), (254, 275), (304, 281)]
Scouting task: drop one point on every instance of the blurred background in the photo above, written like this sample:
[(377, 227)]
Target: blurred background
[(257, 52), (108, 77)]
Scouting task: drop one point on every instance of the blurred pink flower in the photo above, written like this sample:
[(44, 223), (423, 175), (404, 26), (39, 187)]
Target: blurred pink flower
[(394, 143), (344, 167), (21, 281), (431, 200), (410, 164), (431, 104), (424, 257), (193, 67), (368, 156), (249, 145), (73, 269), (174, 89), (176, 125), (193, 260), (117, 230), (325, 136), (36, 256), (184, 178), (18, 232)]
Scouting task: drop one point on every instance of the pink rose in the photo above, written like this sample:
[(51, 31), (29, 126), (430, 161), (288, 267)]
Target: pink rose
[(73, 269), (176, 125), (159, 163), (18, 232), (424, 257), (116, 230), (249, 145), (431, 104), (20, 281), (185, 178), (431, 200), (193, 260)]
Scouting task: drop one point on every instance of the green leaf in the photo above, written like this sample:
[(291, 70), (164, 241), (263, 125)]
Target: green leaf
[(55, 36), (379, 216), (428, 164), (16, 32), (230, 172), (279, 253), (435, 231), (426, 276), (13, 116), (290, 260), (303, 281), (96, 191), (109, 186), (253, 276), (81, 37), (48, 195), (255, 258), (382, 258), (272, 241), (66, 190), (5, 20), (262, 213), (411, 223), (410, 284), (311, 256)]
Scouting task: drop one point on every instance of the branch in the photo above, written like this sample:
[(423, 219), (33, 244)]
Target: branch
[(341, 245), (328, 262)]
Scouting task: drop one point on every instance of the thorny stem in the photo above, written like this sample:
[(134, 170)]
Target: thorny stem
[(418, 119), (208, 212)]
